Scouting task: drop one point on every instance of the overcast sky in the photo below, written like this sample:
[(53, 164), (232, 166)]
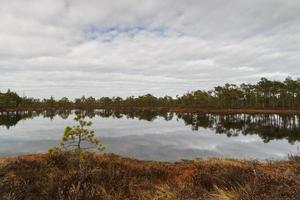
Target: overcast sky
[(132, 47)]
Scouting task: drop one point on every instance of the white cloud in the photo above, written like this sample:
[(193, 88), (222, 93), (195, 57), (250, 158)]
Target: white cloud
[(131, 47)]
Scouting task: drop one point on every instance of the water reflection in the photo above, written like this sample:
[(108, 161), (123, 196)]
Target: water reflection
[(267, 126)]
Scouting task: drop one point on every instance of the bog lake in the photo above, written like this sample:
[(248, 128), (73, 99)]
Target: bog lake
[(160, 136)]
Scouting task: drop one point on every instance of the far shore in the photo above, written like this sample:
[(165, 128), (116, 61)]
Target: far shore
[(177, 109)]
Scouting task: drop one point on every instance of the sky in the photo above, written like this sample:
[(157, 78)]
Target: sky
[(133, 47)]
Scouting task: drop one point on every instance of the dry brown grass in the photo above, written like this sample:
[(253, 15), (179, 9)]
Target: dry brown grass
[(110, 177)]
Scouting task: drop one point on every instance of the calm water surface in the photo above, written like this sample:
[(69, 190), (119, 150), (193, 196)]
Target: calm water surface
[(159, 135)]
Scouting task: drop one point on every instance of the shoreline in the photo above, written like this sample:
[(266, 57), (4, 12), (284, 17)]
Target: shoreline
[(13, 157), (166, 109)]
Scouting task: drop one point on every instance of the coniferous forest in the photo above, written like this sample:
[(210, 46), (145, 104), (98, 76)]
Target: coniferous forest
[(266, 94)]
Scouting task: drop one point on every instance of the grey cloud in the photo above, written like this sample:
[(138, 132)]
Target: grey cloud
[(144, 46)]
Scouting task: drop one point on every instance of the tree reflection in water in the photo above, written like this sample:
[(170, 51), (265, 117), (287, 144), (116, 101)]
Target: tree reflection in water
[(266, 126)]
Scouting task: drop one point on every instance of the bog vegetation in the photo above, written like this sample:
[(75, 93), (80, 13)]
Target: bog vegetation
[(109, 177), (266, 94)]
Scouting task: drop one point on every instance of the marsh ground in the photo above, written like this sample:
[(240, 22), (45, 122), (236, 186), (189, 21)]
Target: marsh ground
[(61, 176)]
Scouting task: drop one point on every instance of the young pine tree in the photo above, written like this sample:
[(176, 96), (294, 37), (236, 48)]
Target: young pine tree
[(80, 137)]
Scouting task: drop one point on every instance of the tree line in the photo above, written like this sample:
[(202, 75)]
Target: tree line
[(265, 94)]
